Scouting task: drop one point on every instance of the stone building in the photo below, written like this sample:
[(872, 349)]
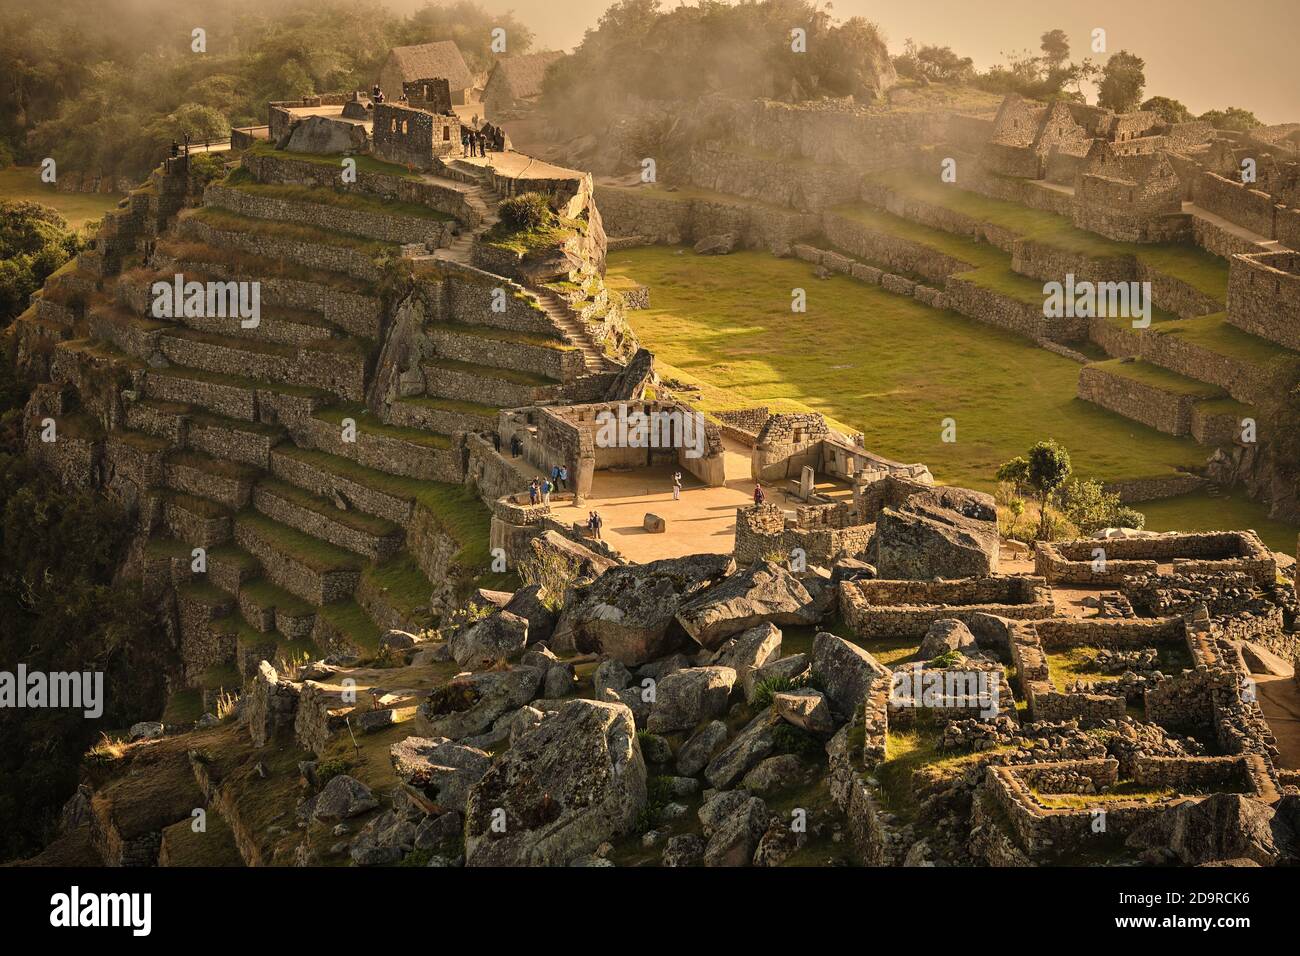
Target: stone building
[(516, 81), (408, 134), (411, 64)]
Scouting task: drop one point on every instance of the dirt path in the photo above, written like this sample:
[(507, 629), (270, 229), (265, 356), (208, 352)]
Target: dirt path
[(1279, 698)]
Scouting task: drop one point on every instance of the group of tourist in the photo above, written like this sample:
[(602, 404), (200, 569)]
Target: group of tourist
[(477, 142)]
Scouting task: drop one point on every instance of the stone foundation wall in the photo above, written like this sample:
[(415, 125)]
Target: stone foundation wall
[(1023, 318), (357, 222), (281, 170), (312, 255), (860, 240), (1236, 202), (1264, 296), (1168, 412), (662, 216)]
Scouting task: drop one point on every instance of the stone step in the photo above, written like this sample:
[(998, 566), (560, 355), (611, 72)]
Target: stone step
[(233, 396), (276, 324), (230, 567), (347, 304), (161, 419), (230, 439), (268, 608), (199, 522), (361, 533), (399, 451), (345, 628), (443, 415), (309, 568), (374, 492), (337, 366), (526, 353), (470, 381), (305, 246), (253, 646), (224, 482)]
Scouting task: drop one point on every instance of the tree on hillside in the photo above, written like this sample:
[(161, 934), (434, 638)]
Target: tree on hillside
[(34, 242), (939, 64), (1233, 118), (1170, 110), (1056, 49), (1122, 82), (470, 27), (1042, 473)]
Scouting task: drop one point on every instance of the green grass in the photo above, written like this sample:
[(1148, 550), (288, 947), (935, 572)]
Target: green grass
[(318, 555), (183, 707), (1229, 510), (267, 595), (991, 266), (1214, 334), (23, 183), (351, 619), (878, 363), (352, 518), (236, 381), (402, 582), (1122, 791), (1204, 272), (491, 334), (451, 405)]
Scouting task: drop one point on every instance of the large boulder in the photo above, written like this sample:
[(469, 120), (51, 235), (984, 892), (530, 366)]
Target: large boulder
[(444, 770), (1223, 826), (1260, 660), (343, 797), (947, 634), (500, 636), (571, 784), (733, 822), (629, 612), (716, 245), (751, 745), (749, 651), (844, 672), (527, 603), (688, 697), (470, 704), (806, 709), (765, 593), (937, 533), (324, 136), (700, 747)]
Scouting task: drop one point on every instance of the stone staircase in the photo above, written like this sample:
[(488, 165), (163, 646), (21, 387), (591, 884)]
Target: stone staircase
[(575, 332)]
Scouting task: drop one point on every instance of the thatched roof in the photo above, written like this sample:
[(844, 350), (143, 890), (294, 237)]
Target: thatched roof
[(441, 60), (522, 75)]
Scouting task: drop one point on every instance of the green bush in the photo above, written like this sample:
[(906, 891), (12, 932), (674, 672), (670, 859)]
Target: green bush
[(526, 211)]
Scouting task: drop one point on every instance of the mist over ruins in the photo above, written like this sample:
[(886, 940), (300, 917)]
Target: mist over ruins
[(743, 439)]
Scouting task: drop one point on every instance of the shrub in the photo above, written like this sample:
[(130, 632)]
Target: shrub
[(526, 211)]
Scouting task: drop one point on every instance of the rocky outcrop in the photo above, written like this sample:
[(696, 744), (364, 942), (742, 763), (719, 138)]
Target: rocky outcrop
[(574, 782), (1225, 826), (844, 672), (629, 613), (471, 704), (765, 593), (685, 698)]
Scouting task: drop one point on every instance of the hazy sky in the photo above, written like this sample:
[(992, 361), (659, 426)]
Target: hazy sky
[(1207, 53)]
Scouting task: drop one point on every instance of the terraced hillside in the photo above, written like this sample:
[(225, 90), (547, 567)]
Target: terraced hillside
[(298, 475)]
